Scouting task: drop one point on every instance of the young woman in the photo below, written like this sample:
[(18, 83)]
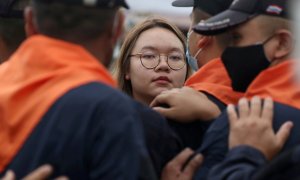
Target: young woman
[(152, 60)]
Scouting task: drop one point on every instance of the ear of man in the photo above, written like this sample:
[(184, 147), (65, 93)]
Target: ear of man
[(117, 27), (30, 26), (285, 44), (204, 41)]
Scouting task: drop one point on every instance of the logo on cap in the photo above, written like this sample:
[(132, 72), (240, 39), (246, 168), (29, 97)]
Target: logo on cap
[(274, 9)]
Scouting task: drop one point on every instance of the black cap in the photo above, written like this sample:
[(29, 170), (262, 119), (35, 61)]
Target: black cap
[(211, 7), (7, 11), (183, 3), (241, 11), (90, 3)]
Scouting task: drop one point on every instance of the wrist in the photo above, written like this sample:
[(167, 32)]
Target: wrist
[(211, 113)]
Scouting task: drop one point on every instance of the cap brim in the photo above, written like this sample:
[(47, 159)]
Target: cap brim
[(125, 5), (221, 22), (183, 3)]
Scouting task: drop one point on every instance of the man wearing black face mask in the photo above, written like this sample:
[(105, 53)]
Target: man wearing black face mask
[(258, 63)]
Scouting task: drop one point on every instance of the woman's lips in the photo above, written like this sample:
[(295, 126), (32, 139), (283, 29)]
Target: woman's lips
[(162, 80)]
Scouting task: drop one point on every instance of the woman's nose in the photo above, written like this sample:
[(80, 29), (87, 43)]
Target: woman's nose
[(163, 64)]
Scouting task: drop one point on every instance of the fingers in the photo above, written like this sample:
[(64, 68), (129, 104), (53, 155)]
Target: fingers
[(255, 109), (174, 90), (192, 166), (283, 133), (42, 172), (182, 167), (181, 158), (160, 99), (267, 112), (9, 175), (62, 178), (232, 115), (243, 108), (166, 112)]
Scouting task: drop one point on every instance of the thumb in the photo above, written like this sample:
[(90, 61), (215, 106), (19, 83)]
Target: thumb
[(283, 133), (42, 172), (193, 166), (160, 99), (166, 112), (9, 175)]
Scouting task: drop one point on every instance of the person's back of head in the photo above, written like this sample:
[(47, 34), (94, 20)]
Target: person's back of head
[(203, 9), (210, 47), (81, 22), (12, 31)]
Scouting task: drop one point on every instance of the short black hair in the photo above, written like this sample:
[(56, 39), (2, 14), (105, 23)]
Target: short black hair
[(72, 23), (12, 32)]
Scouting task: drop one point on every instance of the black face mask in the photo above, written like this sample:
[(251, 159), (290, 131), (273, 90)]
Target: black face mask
[(243, 64)]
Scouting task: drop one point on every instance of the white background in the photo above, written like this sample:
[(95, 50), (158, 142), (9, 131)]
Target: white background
[(162, 6)]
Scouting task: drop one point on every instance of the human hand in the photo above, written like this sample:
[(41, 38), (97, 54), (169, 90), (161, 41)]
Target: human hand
[(185, 105), (181, 168), (40, 173), (253, 127)]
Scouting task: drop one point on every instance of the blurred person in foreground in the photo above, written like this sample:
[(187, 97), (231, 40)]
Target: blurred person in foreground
[(58, 103)]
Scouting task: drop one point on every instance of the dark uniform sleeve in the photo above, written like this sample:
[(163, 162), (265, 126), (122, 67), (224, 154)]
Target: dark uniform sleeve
[(240, 163), (284, 166), (215, 145)]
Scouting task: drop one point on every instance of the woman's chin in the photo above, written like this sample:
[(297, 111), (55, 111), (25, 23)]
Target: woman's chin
[(161, 89)]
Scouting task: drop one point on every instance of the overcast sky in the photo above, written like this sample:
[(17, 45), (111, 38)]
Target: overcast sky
[(157, 6)]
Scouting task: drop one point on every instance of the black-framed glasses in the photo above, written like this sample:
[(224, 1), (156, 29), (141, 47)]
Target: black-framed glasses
[(150, 60)]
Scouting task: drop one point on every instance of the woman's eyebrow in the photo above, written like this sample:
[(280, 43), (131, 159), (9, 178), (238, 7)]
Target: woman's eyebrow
[(149, 48), (171, 49)]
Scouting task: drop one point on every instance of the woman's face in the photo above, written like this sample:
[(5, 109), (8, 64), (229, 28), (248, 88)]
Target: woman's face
[(148, 83)]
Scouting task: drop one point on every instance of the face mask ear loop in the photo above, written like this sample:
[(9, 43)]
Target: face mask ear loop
[(268, 39), (200, 50), (197, 53), (265, 42)]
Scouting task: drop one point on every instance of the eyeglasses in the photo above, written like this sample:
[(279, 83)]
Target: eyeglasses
[(151, 60)]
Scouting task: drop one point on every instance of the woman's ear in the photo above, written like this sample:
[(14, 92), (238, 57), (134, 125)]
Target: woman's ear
[(285, 44)]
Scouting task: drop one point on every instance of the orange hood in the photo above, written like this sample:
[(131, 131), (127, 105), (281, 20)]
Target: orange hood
[(277, 82)]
